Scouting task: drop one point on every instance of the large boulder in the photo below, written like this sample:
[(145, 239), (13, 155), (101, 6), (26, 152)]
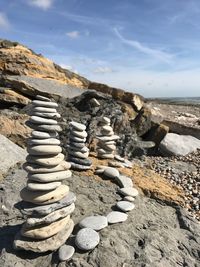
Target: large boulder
[(180, 145), (10, 154)]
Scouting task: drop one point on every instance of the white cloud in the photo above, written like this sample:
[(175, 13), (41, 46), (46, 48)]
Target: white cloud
[(156, 53), (102, 70), (43, 4), (4, 23), (73, 34)]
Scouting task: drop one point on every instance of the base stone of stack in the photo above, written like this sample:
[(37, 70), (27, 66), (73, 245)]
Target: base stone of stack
[(49, 244)]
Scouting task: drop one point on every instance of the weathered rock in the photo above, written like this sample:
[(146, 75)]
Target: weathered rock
[(49, 244), (87, 239), (174, 144), (44, 231), (94, 222)]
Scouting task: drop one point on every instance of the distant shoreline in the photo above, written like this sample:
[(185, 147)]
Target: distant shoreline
[(184, 101)]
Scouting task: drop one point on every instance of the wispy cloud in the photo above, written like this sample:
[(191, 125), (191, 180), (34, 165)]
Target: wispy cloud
[(4, 22), (156, 53), (73, 34), (43, 4), (103, 70)]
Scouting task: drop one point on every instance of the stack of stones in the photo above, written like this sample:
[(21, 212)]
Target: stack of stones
[(77, 151), (47, 202), (106, 146)]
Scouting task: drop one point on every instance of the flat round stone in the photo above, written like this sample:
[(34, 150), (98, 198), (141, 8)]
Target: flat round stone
[(78, 154), (125, 205), (42, 198), (48, 128), (77, 145), (111, 172), (77, 139), (108, 147), (51, 217), (94, 222), (43, 109), (43, 98), (49, 244), (83, 149), (43, 135), (46, 141), (46, 160), (80, 134), (102, 151), (117, 157), (77, 125), (128, 191), (79, 167), (85, 162), (87, 239), (106, 156), (116, 217), (47, 115), (42, 210), (44, 231), (42, 186), (40, 120), (65, 252), (34, 168), (108, 138), (128, 198), (105, 120), (124, 181), (44, 150), (46, 104), (50, 177)]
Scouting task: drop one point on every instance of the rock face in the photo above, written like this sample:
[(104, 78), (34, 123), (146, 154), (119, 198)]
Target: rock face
[(10, 154), (180, 145), (46, 233)]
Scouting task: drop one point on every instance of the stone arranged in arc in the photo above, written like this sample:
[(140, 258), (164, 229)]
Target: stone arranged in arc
[(94, 222), (48, 202), (125, 206), (106, 147), (77, 151), (87, 239)]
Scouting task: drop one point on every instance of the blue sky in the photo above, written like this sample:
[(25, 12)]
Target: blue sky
[(147, 46)]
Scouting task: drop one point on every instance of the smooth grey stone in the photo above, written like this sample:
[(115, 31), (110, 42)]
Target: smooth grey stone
[(108, 138), (65, 252), (77, 139), (80, 134), (43, 135), (83, 149), (48, 128), (124, 181), (43, 98), (40, 120), (128, 191), (78, 145), (116, 217), (94, 222), (87, 239), (50, 177), (80, 161), (99, 171), (111, 172), (78, 154), (42, 186), (77, 125), (43, 109), (35, 210), (106, 147), (51, 217), (75, 166), (47, 115), (107, 133), (46, 104), (119, 158), (103, 151), (106, 156), (125, 205), (44, 150), (46, 160), (128, 198), (105, 120), (46, 141), (115, 164), (107, 128), (34, 168)]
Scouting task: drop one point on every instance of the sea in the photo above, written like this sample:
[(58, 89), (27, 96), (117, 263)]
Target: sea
[(195, 101)]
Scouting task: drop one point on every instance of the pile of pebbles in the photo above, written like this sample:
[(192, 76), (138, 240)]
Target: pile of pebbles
[(47, 202), (183, 171), (77, 151), (88, 236), (106, 146)]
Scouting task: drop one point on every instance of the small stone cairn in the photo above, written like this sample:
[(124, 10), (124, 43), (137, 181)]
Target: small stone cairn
[(47, 202), (106, 146), (77, 151)]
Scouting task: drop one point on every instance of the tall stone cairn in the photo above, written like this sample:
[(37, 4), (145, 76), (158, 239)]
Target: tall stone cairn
[(77, 151), (47, 201), (106, 146)]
